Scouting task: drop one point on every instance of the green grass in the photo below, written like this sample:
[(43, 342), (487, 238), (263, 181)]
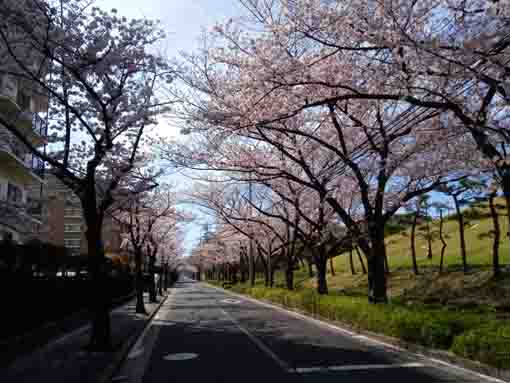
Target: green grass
[(453, 287)]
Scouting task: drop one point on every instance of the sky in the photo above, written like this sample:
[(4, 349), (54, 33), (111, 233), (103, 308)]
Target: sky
[(183, 21)]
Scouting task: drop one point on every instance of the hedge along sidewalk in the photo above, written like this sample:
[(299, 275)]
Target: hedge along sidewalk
[(18, 345), (415, 328), (64, 359)]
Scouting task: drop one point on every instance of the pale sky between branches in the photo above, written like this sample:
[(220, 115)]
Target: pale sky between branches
[(183, 21)]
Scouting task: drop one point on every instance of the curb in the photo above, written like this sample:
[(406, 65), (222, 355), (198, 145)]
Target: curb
[(120, 355), (441, 357)]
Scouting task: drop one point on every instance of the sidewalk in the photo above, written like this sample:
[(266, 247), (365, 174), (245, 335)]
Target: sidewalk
[(64, 359)]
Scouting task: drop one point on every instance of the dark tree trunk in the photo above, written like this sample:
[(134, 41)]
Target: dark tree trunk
[(271, 277), (322, 284), (413, 243), (361, 262), (497, 233), (429, 241), (152, 283), (139, 283), (443, 248), (331, 267), (507, 199), (160, 284), (242, 266), (263, 261), (289, 275), (460, 219), (386, 264), (310, 268), (375, 260), (100, 335), (251, 266), (351, 262)]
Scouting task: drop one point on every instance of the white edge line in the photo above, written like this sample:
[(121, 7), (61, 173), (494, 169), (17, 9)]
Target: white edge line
[(258, 342), (374, 366), (344, 331)]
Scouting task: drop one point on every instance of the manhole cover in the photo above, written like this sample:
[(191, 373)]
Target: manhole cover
[(181, 356), (231, 301)]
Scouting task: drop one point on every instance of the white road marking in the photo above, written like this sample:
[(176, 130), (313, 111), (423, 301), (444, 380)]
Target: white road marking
[(356, 367), (353, 334), (258, 342), (135, 353), (119, 378), (78, 331), (231, 301), (181, 356)]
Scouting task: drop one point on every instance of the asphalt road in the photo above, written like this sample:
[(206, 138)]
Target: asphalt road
[(203, 334)]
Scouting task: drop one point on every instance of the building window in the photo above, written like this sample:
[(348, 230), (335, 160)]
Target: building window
[(72, 212), (14, 193), (72, 243), (72, 228), (23, 100)]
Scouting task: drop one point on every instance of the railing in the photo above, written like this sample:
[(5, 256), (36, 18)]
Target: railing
[(39, 125), (35, 164)]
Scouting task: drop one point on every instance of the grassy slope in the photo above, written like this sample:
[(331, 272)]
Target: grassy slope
[(452, 287)]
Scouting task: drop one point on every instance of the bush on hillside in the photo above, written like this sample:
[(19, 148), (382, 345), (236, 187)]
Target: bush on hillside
[(489, 344)]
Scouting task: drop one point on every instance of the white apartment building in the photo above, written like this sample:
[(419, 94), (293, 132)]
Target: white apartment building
[(19, 169)]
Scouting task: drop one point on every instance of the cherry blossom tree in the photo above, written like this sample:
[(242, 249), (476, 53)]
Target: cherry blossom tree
[(101, 79), (151, 222)]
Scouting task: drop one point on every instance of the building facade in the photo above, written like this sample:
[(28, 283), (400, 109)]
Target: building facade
[(63, 223), (25, 108)]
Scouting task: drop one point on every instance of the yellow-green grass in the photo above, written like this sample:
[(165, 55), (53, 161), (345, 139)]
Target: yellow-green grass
[(452, 286)]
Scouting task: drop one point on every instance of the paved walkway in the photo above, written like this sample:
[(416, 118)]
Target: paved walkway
[(64, 359), (203, 334)]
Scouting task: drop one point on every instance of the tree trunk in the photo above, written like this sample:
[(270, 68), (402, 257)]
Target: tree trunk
[(413, 243), (360, 258), (497, 233), (507, 199), (152, 282), (263, 261), (271, 277), (322, 284), (251, 266), (160, 285), (310, 268), (429, 241), (351, 262), (100, 334), (460, 219), (376, 272), (386, 264), (331, 267), (443, 248), (269, 268), (139, 283), (242, 266), (289, 275)]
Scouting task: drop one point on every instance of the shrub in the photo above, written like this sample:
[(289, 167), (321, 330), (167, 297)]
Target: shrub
[(489, 344)]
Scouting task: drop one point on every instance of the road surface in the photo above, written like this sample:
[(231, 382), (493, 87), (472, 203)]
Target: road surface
[(204, 334)]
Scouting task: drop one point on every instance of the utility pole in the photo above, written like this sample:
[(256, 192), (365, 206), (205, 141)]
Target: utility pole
[(251, 265)]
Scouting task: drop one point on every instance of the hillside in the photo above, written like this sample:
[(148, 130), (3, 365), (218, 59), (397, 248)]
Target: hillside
[(453, 287)]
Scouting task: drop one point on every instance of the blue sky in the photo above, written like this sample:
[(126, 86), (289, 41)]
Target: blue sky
[(183, 21)]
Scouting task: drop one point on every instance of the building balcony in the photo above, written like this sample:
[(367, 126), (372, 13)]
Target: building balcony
[(16, 169), (30, 124), (33, 127)]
